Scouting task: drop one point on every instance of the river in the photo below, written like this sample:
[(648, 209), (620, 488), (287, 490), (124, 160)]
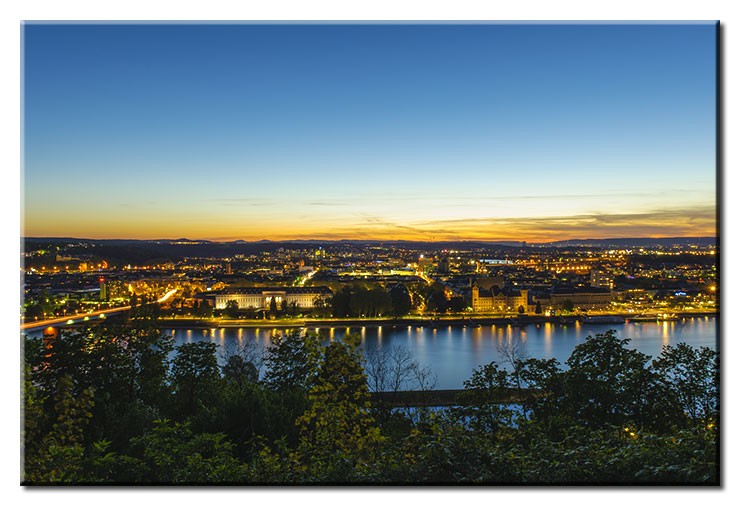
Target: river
[(452, 352)]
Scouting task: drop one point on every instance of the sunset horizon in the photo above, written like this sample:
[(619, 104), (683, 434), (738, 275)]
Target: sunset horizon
[(319, 238)]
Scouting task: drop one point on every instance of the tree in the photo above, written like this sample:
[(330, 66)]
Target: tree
[(360, 301), (195, 376), (514, 354), (456, 305), (690, 377), (147, 350), (58, 457), (379, 302), (232, 309), (436, 300), (204, 309), (389, 371), (539, 386), (538, 308), (34, 427), (340, 302), (481, 400), (568, 306), (521, 310), (251, 312), (607, 383), (124, 366), (239, 370), (242, 361), (173, 454), (104, 465), (400, 300), (292, 361), (33, 311), (339, 439)]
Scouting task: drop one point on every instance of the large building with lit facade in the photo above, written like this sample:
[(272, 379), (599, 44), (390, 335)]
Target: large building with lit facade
[(305, 297), (500, 300)]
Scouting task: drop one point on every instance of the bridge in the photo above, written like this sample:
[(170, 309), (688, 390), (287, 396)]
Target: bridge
[(81, 318)]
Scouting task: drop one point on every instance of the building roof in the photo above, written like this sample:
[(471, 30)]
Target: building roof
[(259, 290), (486, 283)]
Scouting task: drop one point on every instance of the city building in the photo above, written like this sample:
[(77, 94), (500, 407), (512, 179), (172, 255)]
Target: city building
[(495, 299), (425, 263), (580, 298), (601, 279), (111, 289), (261, 297)]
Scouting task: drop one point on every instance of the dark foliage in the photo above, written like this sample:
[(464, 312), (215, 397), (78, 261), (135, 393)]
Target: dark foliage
[(116, 405)]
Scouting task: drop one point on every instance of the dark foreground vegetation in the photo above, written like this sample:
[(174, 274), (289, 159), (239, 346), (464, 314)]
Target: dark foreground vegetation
[(117, 406)]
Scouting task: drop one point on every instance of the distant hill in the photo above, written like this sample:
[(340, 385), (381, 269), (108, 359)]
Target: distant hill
[(641, 242), (142, 252)]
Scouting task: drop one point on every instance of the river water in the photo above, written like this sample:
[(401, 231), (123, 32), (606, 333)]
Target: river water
[(452, 352)]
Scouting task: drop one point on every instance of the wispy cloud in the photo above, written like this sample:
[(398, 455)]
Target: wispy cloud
[(699, 220)]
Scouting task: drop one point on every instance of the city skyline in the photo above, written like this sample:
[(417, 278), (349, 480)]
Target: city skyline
[(490, 132)]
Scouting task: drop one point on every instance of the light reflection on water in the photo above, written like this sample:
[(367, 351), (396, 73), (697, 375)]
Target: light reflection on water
[(547, 338), (453, 352)]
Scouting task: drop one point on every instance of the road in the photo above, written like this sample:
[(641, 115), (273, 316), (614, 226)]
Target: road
[(88, 316)]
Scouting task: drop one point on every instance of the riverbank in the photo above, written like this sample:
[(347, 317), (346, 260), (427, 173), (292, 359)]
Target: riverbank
[(356, 322), (334, 323), (472, 321)]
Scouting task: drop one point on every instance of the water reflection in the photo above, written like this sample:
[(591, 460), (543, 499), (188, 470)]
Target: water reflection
[(477, 337), (453, 352), (666, 329), (547, 337)]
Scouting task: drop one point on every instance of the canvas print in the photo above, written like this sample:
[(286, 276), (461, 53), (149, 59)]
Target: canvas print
[(356, 253)]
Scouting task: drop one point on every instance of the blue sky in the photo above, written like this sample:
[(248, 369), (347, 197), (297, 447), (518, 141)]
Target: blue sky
[(384, 131)]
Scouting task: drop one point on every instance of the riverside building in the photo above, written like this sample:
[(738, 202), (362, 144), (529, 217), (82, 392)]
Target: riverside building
[(306, 297)]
